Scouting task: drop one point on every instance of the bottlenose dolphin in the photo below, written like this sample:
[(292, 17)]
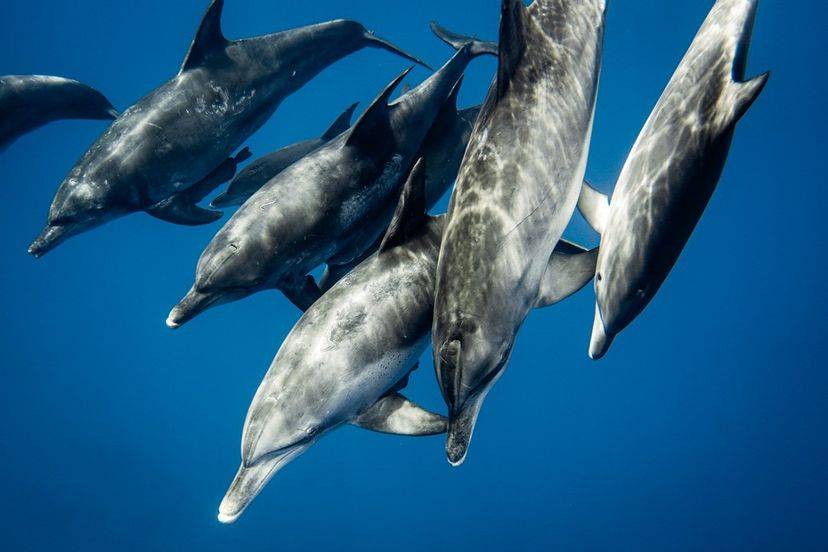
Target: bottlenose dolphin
[(182, 131), (671, 171), (257, 173), (328, 207), (516, 192), (350, 354), (28, 102)]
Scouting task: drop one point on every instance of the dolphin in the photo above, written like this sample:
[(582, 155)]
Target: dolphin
[(328, 207), (260, 171), (671, 171), (28, 102), (183, 130), (516, 191), (442, 152), (350, 354)]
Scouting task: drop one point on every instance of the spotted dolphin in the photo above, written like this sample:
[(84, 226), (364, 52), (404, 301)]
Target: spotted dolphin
[(517, 190), (671, 171), (182, 131), (350, 354), (28, 102), (328, 207), (260, 171), (442, 151)]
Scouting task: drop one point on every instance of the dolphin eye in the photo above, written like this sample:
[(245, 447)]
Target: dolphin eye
[(311, 431), (599, 277)]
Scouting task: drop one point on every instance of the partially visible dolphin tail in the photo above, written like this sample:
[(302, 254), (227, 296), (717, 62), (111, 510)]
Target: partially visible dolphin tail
[(383, 44), (457, 41)]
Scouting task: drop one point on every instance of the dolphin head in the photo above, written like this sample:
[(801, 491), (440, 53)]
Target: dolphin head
[(82, 203), (279, 427), (622, 290), (469, 360), (228, 270)]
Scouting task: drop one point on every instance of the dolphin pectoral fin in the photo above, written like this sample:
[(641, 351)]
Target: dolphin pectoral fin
[(594, 206), (399, 416), (341, 124), (335, 272), (566, 273), (179, 210), (304, 294)]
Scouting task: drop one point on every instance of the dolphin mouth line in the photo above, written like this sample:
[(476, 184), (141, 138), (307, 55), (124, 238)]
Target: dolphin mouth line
[(174, 322)]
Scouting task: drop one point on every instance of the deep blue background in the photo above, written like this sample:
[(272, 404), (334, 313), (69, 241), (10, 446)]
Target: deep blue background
[(704, 428)]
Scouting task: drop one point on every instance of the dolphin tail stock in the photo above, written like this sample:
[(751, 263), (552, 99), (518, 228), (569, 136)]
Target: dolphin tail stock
[(377, 42), (457, 41)]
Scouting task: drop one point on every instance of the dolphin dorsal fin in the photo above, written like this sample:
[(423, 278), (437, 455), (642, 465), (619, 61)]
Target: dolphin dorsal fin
[(376, 115), (341, 124), (397, 415), (208, 38), (512, 42), (411, 209)]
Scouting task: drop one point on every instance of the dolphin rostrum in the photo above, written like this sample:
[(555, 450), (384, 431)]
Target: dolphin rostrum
[(671, 171), (517, 190), (28, 102), (328, 207), (182, 131), (257, 173), (350, 354)]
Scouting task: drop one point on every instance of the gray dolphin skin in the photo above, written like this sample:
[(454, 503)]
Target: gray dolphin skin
[(329, 207), (184, 130), (517, 190), (260, 171), (442, 152), (28, 102), (671, 171), (350, 354)]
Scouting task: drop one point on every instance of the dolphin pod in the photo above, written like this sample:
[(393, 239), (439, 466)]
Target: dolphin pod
[(351, 353), (517, 188), (672, 170), (183, 130), (356, 200), (328, 207), (28, 102)]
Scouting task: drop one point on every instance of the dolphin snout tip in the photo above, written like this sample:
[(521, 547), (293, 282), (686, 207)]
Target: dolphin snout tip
[(227, 518), (172, 320), (600, 341)]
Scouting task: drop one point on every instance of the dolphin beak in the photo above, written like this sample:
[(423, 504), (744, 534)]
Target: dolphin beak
[(600, 341), (193, 304), (250, 480), (461, 428), (383, 44), (49, 238)]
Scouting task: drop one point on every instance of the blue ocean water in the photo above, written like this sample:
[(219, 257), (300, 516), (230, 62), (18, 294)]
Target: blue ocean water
[(704, 428)]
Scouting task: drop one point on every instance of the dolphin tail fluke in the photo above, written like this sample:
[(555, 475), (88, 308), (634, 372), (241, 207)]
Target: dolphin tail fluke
[(377, 42), (477, 47), (397, 415)]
